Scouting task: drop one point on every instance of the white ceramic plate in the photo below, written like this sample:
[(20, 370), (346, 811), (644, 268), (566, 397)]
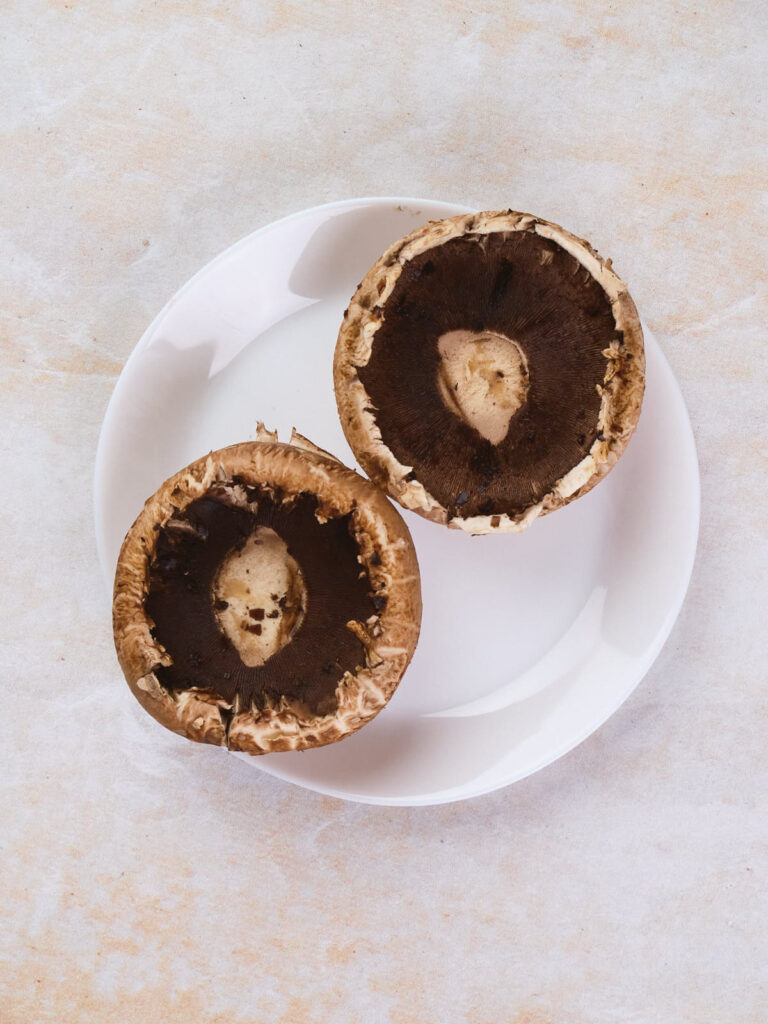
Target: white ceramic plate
[(528, 642)]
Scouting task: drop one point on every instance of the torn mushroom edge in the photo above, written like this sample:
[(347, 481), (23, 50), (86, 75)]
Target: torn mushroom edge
[(621, 390), (389, 637)]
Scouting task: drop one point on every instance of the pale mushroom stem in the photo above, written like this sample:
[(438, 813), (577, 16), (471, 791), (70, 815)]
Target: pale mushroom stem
[(482, 379)]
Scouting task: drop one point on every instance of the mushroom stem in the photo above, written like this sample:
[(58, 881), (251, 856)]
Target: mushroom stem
[(260, 597), (482, 379)]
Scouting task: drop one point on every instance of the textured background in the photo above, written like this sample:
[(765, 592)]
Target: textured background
[(146, 879)]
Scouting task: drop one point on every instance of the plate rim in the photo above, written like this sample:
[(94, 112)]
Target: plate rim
[(652, 650)]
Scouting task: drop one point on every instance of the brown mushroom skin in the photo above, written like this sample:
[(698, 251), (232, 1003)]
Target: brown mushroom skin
[(618, 389), (388, 638)]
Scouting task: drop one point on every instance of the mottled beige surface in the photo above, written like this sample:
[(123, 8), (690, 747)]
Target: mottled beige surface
[(147, 879)]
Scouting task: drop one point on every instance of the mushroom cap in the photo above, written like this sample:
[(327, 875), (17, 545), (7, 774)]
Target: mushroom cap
[(619, 385), (385, 553)]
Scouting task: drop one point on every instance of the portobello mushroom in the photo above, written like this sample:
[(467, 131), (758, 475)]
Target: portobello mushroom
[(267, 598), (489, 369)]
